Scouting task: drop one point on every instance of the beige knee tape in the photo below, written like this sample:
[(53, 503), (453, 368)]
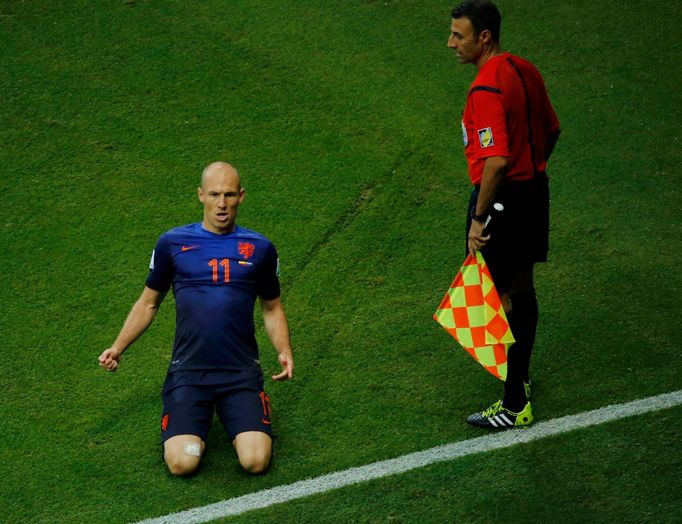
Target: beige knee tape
[(193, 449)]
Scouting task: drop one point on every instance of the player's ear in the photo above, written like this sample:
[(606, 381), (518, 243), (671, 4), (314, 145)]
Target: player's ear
[(200, 194), (242, 194), (485, 36)]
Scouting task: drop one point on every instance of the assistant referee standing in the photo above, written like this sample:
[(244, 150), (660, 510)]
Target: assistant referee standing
[(509, 129)]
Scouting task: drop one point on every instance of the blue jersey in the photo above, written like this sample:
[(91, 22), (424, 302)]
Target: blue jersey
[(216, 279)]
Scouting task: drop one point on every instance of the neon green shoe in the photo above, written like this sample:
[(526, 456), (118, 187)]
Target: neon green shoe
[(499, 417)]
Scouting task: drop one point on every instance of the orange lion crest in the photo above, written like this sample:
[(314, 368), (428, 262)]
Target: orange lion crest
[(246, 249)]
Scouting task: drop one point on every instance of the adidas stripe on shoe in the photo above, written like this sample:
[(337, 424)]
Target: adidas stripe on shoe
[(499, 417)]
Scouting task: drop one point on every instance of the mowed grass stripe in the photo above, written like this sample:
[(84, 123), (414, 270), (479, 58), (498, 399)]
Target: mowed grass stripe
[(376, 470)]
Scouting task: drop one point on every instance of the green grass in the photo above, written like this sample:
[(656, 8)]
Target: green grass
[(344, 122), (544, 481)]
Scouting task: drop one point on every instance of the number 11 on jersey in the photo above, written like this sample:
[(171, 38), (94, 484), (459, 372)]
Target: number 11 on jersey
[(225, 263)]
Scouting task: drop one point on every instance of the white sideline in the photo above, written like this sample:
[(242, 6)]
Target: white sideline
[(492, 441)]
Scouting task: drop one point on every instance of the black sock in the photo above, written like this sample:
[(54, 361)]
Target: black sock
[(523, 320), (526, 309)]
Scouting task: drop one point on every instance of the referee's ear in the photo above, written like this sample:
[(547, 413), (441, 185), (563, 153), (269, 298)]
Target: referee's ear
[(485, 36)]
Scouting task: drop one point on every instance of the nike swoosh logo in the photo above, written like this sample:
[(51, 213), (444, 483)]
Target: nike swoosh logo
[(187, 248)]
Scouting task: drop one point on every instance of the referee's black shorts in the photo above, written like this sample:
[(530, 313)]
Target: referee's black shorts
[(519, 236)]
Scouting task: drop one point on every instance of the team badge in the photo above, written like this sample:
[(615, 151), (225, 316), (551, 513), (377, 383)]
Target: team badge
[(246, 249), (267, 412), (465, 137), (485, 137)]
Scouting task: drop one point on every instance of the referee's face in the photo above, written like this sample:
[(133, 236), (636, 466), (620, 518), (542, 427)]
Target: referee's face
[(221, 193), (464, 41)]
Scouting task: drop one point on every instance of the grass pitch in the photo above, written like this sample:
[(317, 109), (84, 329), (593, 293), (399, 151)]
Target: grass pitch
[(344, 120)]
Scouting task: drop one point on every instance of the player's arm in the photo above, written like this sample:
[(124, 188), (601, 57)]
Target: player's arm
[(277, 328), (139, 319), (493, 172)]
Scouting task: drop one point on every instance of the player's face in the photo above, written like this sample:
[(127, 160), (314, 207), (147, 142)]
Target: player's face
[(221, 196), (464, 41)]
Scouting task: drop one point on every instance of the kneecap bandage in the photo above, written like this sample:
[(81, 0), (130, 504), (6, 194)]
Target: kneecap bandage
[(193, 449)]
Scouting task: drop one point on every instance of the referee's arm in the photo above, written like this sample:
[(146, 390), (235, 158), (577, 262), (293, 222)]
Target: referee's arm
[(493, 172)]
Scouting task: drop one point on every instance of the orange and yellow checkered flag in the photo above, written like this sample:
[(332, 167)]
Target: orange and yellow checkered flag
[(472, 313)]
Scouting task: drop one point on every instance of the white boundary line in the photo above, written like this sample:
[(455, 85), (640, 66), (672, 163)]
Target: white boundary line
[(324, 483)]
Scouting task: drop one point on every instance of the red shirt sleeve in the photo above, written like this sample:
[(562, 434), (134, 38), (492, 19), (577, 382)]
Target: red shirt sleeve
[(490, 128)]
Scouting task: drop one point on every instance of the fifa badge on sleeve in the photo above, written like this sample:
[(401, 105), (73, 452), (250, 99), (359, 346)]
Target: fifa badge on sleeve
[(485, 137)]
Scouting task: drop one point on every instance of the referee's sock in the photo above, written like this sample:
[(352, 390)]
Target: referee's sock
[(523, 320)]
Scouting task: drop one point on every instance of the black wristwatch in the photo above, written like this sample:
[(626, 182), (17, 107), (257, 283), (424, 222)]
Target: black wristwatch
[(477, 218)]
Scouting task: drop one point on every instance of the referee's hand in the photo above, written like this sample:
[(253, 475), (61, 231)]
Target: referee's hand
[(477, 240)]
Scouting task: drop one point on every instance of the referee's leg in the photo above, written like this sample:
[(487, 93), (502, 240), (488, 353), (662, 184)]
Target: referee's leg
[(523, 319)]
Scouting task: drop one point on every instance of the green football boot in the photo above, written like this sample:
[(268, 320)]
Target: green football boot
[(499, 417)]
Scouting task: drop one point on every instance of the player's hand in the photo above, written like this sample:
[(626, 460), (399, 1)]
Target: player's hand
[(477, 240), (109, 359), (286, 360)]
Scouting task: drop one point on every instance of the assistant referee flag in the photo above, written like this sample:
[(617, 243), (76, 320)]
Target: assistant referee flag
[(471, 311)]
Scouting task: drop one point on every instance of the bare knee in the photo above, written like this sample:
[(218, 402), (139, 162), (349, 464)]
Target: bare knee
[(254, 450), (182, 454), (181, 466), (254, 463)]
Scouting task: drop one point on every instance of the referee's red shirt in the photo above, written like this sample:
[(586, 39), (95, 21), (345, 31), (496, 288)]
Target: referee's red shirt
[(508, 113)]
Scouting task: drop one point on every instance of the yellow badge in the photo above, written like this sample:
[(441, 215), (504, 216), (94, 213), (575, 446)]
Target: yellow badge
[(485, 137)]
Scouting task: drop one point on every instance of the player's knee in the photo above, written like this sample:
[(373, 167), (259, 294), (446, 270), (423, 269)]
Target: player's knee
[(254, 450), (255, 465), (254, 461), (181, 465), (182, 457)]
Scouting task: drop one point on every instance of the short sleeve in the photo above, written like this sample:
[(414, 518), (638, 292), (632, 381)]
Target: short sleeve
[(268, 278), (489, 121), (161, 266)]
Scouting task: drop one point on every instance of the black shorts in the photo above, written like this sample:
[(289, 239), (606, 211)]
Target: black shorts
[(519, 236), (188, 408)]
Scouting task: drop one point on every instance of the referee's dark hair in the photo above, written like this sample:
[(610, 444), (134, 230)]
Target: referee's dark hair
[(482, 14)]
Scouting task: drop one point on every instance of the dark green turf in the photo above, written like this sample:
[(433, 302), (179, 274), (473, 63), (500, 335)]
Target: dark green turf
[(344, 120), (620, 472)]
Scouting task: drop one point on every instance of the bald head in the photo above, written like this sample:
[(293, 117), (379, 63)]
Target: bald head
[(221, 193), (220, 170)]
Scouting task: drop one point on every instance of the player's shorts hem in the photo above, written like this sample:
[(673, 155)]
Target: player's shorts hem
[(190, 409)]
